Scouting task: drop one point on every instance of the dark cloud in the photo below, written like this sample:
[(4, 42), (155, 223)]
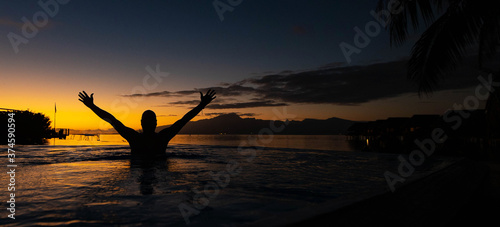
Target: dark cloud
[(228, 90), (153, 94), (189, 102), (233, 90), (246, 114), (214, 114), (350, 85), (237, 113), (227, 104), (165, 94), (240, 105)]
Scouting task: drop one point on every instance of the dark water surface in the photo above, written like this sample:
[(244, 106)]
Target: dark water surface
[(212, 179)]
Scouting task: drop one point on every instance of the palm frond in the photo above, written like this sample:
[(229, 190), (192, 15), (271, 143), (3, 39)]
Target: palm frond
[(414, 12), (442, 46), (461, 24)]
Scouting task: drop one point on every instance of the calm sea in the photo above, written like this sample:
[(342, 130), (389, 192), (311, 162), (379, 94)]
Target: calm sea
[(208, 180), (316, 142)]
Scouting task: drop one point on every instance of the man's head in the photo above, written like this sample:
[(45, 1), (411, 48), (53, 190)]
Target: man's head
[(148, 121)]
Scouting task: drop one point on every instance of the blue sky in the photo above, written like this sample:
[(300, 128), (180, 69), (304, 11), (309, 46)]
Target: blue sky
[(105, 46), (256, 37)]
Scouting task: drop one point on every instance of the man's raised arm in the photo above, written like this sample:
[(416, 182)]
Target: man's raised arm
[(124, 131), (177, 126)]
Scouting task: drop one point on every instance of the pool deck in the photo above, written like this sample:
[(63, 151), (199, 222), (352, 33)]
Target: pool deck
[(462, 193)]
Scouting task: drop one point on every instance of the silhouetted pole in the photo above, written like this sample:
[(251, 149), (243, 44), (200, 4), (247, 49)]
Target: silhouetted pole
[(55, 112)]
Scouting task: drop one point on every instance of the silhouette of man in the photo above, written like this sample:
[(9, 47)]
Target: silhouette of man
[(148, 144)]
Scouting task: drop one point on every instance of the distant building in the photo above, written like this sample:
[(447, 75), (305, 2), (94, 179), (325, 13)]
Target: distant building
[(397, 134)]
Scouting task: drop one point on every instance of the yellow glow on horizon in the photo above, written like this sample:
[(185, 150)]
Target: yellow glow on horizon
[(72, 114)]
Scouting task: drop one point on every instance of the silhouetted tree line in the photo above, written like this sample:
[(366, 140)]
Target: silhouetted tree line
[(30, 128)]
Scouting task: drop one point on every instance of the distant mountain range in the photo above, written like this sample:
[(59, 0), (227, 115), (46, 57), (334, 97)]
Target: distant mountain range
[(234, 124)]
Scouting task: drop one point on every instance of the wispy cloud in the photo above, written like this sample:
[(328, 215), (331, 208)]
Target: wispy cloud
[(162, 94), (214, 114), (231, 105), (189, 102), (241, 105)]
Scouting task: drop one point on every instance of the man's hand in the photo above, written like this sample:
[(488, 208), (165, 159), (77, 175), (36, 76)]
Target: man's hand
[(207, 98), (86, 99)]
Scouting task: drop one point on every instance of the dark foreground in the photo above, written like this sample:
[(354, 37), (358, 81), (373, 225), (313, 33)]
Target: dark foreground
[(466, 192)]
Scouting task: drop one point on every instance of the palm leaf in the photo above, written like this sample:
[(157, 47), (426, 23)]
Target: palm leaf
[(414, 12), (442, 46)]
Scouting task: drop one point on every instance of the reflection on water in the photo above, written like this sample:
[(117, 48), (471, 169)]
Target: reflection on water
[(317, 142), (84, 185), (95, 182)]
